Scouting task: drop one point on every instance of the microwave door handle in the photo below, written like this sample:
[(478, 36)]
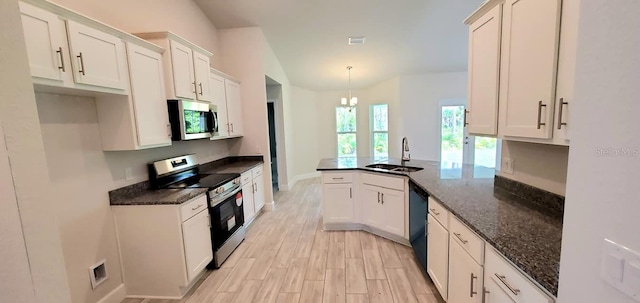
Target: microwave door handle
[(211, 121), (215, 123)]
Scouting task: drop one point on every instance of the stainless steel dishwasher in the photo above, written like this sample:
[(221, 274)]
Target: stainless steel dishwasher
[(417, 222)]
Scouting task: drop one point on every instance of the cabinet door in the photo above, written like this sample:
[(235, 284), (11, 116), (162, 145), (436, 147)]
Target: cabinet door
[(529, 61), (196, 236), (248, 203), (465, 276), (202, 70), (393, 211), (438, 255), (98, 58), (372, 210), (566, 69), (216, 84), (495, 294), (148, 94), (259, 194), (484, 71), (183, 74), (234, 107), (46, 39), (337, 202)]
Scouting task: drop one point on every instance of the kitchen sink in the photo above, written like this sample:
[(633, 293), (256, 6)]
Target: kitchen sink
[(396, 168)]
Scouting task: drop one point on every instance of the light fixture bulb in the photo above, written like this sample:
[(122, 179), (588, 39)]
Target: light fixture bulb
[(344, 101), (354, 101)]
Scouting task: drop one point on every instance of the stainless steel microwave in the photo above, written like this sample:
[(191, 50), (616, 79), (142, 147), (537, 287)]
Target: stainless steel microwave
[(192, 120)]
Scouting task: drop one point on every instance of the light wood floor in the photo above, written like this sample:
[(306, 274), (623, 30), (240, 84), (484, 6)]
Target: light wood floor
[(287, 257)]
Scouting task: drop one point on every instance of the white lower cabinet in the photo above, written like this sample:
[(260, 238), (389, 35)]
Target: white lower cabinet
[(252, 193), (163, 260), (494, 294), (384, 209), (338, 206), (465, 276), (438, 255), (372, 211), (515, 286)]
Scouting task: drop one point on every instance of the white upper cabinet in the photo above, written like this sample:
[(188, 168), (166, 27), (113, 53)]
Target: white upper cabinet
[(100, 58), (183, 75), (531, 30), (186, 65), (46, 39), (566, 70), (484, 71), (234, 107), (201, 66), (148, 94), (81, 55), (219, 98)]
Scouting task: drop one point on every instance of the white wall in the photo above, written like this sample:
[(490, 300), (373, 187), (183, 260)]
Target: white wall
[(181, 17), (25, 152), (602, 189), (419, 98), (81, 175), (305, 119), (15, 276), (540, 165)]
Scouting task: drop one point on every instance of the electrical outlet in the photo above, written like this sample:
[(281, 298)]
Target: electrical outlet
[(507, 166), (128, 174)]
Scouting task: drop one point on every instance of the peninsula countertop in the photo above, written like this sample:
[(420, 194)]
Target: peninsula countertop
[(527, 237)]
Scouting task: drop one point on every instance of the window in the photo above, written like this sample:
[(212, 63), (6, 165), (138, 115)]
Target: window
[(380, 130), (346, 130)]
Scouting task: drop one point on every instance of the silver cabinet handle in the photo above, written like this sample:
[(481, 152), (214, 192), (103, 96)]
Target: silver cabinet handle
[(466, 112), (503, 279), (231, 127), (378, 197), (59, 51), (195, 89), (471, 292), (433, 210), (350, 193), (194, 208), (460, 237), (200, 84), (169, 130), (540, 106), (255, 187), (338, 178), (562, 104), (81, 71), (382, 194)]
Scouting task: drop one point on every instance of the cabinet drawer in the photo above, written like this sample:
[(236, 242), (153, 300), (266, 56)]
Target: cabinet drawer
[(256, 172), (467, 239), (337, 178), (439, 212), (192, 207), (396, 183), (245, 178), (511, 280)]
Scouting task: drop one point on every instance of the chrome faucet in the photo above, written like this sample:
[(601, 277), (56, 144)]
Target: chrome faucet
[(405, 149)]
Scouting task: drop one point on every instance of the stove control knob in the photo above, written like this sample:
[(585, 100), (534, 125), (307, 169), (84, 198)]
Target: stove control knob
[(220, 190)]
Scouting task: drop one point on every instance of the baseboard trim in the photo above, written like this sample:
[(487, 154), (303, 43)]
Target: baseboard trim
[(367, 228), (298, 178), (117, 295), (270, 206)]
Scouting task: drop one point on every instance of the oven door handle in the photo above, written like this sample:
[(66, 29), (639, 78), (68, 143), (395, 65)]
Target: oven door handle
[(217, 200)]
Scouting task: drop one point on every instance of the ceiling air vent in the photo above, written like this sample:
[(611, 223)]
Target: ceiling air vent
[(356, 40)]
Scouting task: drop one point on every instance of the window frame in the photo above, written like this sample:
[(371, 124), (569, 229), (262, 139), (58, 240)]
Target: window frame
[(354, 132), (373, 132)]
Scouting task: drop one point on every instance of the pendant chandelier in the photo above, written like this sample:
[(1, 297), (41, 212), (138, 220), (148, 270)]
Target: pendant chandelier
[(351, 102)]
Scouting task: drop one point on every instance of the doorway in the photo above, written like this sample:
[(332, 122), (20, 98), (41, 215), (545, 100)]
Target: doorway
[(271, 112), (457, 147)]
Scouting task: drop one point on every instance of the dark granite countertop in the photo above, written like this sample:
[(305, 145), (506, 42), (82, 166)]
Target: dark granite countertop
[(531, 239), (142, 193)]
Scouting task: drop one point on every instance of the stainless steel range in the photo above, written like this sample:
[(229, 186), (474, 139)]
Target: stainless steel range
[(225, 200)]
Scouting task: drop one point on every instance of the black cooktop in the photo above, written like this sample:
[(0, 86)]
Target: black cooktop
[(206, 181)]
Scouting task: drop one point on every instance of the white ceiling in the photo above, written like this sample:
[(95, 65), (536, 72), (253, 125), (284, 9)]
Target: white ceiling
[(309, 37)]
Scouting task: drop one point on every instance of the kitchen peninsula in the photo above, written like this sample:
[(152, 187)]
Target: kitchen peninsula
[(522, 223)]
